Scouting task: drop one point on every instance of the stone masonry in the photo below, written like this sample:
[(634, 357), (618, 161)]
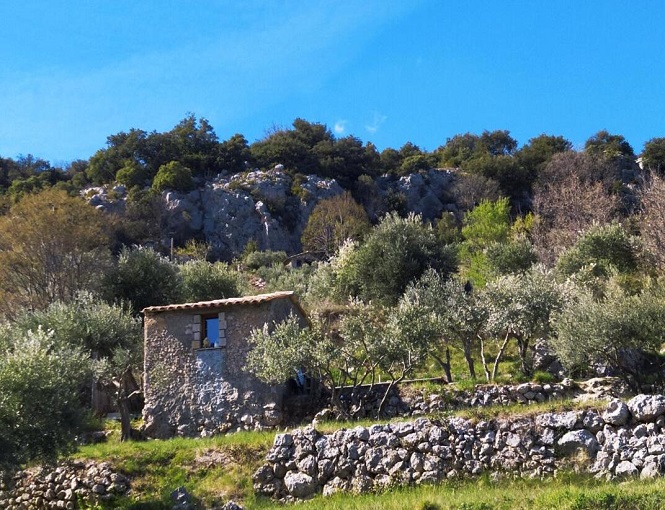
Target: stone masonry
[(191, 389), (623, 439)]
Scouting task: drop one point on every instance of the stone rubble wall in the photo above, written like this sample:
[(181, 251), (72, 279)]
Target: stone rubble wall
[(622, 439), (411, 403), (62, 487)]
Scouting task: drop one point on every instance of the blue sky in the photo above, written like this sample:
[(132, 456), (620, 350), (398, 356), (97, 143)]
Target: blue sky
[(74, 72)]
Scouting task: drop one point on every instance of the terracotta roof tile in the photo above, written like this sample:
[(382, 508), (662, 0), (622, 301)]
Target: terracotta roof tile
[(245, 300)]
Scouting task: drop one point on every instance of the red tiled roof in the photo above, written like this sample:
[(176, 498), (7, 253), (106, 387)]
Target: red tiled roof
[(245, 300)]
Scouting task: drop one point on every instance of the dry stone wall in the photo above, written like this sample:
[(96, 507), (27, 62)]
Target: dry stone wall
[(408, 402), (62, 487), (620, 440)]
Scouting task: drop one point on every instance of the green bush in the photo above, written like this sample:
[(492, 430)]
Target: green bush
[(254, 260), (204, 281), (40, 410), (173, 175), (604, 248), (396, 252), (142, 277)]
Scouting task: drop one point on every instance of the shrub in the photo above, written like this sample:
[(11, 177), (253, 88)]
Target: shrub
[(173, 175), (256, 259), (396, 252), (604, 247), (142, 277), (40, 411), (203, 281)]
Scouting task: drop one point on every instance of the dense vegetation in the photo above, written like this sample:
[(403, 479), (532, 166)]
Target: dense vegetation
[(546, 242)]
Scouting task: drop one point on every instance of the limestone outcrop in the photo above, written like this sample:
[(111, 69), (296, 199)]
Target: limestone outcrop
[(269, 207)]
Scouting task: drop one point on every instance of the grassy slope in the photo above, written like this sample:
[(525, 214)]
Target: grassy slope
[(217, 469)]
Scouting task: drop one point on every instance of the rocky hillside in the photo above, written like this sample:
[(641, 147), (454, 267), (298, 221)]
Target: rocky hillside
[(271, 207)]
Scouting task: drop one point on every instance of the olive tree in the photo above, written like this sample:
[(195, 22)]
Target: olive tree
[(203, 281), (519, 306), (459, 318), (40, 412), (142, 277), (605, 248), (395, 252), (368, 342), (604, 331), (108, 334)]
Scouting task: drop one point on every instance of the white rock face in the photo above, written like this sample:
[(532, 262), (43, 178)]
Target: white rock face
[(257, 206), (269, 207)]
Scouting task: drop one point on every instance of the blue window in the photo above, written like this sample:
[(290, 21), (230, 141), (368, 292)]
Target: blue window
[(211, 331)]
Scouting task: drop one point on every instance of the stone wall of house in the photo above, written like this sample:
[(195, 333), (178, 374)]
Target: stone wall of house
[(622, 439), (190, 392), (62, 487)]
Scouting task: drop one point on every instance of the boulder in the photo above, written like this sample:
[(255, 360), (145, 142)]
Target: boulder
[(626, 468), (647, 407), (577, 440), (565, 420), (299, 485), (616, 413)]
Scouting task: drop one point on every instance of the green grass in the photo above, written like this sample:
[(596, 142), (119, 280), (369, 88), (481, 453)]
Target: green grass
[(567, 492), (216, 469), (213, 469)]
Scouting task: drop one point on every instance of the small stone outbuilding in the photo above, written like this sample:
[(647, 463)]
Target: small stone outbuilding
[(194, 377)]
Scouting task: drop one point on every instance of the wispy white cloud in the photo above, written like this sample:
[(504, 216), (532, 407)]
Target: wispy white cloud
[(378, 119), (340, 127)]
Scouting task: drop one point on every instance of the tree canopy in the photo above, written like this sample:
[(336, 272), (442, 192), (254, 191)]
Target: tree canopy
[(51, 246)]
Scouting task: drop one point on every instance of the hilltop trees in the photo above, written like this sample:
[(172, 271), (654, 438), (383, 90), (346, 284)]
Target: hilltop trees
[(311, 148), (608, 145), (653, 155)]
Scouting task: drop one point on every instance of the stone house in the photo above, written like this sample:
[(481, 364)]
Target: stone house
[(194, 382)]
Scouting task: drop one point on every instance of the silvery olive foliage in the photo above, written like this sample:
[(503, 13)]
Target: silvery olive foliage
[(203, 281), (519, 306), (592, 331), (459, 318), (40, 410), (367, 344), (397, 251)]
